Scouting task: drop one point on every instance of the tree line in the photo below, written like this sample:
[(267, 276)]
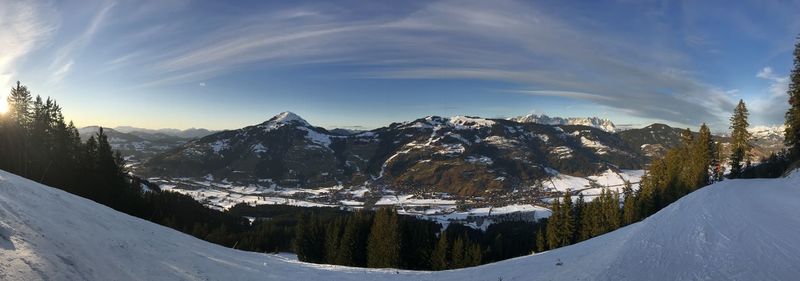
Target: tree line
[(384, 239)]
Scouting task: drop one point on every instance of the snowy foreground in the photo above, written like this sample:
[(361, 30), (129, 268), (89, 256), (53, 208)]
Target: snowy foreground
[(734, 230)]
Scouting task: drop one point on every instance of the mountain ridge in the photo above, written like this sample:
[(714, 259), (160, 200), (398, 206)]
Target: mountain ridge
[(600, 123)]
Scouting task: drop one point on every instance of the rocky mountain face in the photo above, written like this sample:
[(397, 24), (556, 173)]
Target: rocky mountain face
[(768, 138), (458, 155), (603, 124)]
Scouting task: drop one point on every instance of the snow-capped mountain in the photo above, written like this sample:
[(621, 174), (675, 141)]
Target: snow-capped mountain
[(769, 138), (459, 155), (603, 124), (43, 236)]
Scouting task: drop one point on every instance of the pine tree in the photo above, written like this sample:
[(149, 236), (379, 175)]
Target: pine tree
[(792, 132), (703, 157), (473, 255), (541, 244), (566, 227), (19, 101), (333, 241), (16, 137), (457, 253), (553, 225), (383, 246), (580, 207), (439, 255), (740, 138), (309, 240), (589, 220), (629, 215), (352, 251)]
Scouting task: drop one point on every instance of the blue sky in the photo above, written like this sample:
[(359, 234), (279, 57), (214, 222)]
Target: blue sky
[(364, 64)]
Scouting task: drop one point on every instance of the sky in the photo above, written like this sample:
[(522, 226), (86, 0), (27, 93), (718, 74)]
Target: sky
[(366, 64)]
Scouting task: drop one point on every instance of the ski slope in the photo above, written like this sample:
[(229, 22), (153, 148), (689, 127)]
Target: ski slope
[(734, 230)]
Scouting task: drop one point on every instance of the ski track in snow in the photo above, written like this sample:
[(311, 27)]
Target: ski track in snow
[(733, 230)]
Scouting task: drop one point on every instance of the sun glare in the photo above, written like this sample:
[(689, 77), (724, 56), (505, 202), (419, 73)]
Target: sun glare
[(3, 106)]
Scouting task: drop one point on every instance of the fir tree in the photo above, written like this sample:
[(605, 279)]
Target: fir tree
[(703, 157), (553, 225), (19, 102), (439, 255), (473, 254), (383, 246), (310, 242), (580, 207), (566, 227), (352, 247), (792, 131), (541, 244), (629, 215), (457, 253), (333, 241), (740, 138)]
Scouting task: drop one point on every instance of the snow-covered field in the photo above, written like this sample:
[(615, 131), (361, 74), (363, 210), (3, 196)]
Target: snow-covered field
[(733, 230), (592, 186)]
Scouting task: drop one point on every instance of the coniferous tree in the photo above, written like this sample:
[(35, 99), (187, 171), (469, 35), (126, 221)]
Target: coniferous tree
[(541, 243), (702, 157), (439, 259), (19, 103), (457, 253), (553, 225), (383, 246), (629, 215), (740, 138), (16, 137), (310, 242), (792, 131), (473, 255), (566, 227), (580, 207), (352, 250), (333, 241)]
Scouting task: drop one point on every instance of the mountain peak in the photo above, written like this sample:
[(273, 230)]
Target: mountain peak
[(287, 117)]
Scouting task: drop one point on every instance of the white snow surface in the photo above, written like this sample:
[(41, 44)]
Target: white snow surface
[(732, 230)]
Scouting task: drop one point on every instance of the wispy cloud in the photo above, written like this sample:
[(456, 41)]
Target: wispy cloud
[(65, 56), (24, 26), (771, 104), (500, 41), (564, 94)]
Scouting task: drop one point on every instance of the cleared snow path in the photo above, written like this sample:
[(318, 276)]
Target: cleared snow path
[(734, 230)]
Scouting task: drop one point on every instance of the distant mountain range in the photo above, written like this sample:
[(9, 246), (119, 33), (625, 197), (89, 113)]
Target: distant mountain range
[(603, 124), (188, 133), (459, 155)]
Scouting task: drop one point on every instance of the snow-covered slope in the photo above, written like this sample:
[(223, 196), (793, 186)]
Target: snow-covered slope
[(734, 230)]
